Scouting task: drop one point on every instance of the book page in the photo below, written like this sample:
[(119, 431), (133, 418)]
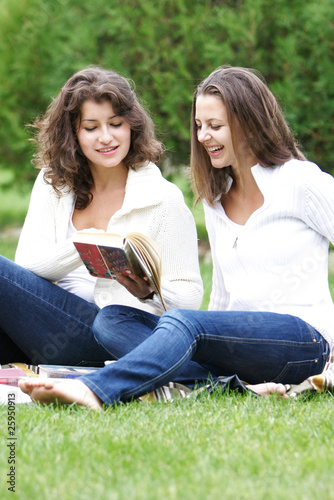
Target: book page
[(149, 256), (99, 238)]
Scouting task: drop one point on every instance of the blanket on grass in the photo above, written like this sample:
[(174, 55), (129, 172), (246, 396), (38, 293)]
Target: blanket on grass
[(323, 382)]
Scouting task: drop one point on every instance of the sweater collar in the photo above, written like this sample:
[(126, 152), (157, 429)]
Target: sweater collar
[(264, 179), (143, 189), (262, 175)]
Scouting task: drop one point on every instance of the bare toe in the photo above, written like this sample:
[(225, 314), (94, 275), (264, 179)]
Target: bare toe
[(26, 384), (269, 388)]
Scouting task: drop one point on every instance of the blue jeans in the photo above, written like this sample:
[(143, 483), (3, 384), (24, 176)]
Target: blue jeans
[(42, 323), (120, 329), (257, 346)]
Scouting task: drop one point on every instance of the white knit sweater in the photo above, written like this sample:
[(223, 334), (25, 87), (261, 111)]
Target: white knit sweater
[(152, 205), (278, 260)]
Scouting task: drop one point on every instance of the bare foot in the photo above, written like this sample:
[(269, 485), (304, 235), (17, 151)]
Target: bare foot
[(269, 388), (48, 391)]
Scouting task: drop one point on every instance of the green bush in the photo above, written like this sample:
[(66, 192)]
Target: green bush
[(167, 47)]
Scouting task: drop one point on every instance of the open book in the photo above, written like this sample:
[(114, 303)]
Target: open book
[(107, 254)]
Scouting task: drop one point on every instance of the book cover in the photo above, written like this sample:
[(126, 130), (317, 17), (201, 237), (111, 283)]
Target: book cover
[(93, 260), (27, 369), (116, 260), (11, 376), (106, 254)]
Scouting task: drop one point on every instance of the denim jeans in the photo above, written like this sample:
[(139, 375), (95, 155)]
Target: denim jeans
[(42, 323), (257, 346), (120, 329)]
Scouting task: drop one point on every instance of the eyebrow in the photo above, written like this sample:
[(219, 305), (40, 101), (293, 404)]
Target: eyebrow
[(95, 120), (210, 119)]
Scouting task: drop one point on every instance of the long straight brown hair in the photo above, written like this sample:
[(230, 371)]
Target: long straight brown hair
[(256, 122)]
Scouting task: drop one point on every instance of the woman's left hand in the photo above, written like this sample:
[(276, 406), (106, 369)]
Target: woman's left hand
[(135, 285)]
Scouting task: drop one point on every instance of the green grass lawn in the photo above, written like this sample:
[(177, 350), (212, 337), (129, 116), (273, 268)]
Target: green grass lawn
[(221, 447), (218, 447)]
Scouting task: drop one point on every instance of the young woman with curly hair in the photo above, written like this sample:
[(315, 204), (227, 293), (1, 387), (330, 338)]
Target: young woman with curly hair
[(97, 155)]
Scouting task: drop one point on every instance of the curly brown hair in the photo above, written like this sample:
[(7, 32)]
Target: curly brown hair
[(256, 122), (58, 151)]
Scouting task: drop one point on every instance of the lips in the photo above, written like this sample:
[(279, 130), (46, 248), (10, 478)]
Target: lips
[(214, 150), (107, 150)]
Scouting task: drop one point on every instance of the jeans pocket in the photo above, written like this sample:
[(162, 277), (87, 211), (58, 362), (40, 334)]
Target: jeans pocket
[(295, 372)]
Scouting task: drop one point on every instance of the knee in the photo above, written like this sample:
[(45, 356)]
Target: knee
[(116, 320), (113, 311), (107, 320), (11, 274), (7, 267), (181, 318)]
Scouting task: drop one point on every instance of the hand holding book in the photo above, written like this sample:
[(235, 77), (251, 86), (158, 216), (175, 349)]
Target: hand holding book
[(134, 261), (139, 287)]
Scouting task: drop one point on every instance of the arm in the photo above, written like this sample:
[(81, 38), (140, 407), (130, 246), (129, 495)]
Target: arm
[(181, 279), (219, 296), (43, 247), (175, 233), (319, 201)]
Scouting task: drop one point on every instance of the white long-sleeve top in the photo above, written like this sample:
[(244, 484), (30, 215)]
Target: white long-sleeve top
[(278, 260), (152, 206)]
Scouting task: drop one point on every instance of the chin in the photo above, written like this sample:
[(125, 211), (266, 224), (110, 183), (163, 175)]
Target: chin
[(219, 165)]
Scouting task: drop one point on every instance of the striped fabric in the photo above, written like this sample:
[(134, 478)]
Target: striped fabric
[(174, 390)]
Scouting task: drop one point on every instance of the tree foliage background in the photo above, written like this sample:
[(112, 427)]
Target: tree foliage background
[(167, 47)]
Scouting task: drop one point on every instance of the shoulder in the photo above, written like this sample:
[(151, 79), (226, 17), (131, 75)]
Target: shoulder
[(40, 180), (41, 189), (149, 181), (294, 174), (300, 170), (299, 167), (42, 183), (296, 170), (305, 174), (44, 194)]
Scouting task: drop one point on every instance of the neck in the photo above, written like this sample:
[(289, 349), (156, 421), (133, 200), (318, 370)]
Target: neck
[(243, 180), (109, 177)]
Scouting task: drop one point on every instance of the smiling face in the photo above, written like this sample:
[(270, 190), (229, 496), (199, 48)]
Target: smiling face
[(213, 130), (104, 137)]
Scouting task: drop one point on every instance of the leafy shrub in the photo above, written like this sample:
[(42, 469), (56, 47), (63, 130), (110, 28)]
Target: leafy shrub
[(167, 47)]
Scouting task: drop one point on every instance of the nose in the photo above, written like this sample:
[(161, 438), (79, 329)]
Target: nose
[(203, 135), (105, 136)]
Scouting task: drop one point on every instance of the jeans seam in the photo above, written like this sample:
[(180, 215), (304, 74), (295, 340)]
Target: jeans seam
[(138, 389), (235, 340)]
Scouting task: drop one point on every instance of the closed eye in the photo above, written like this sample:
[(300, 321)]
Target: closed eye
[(116, 124)]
